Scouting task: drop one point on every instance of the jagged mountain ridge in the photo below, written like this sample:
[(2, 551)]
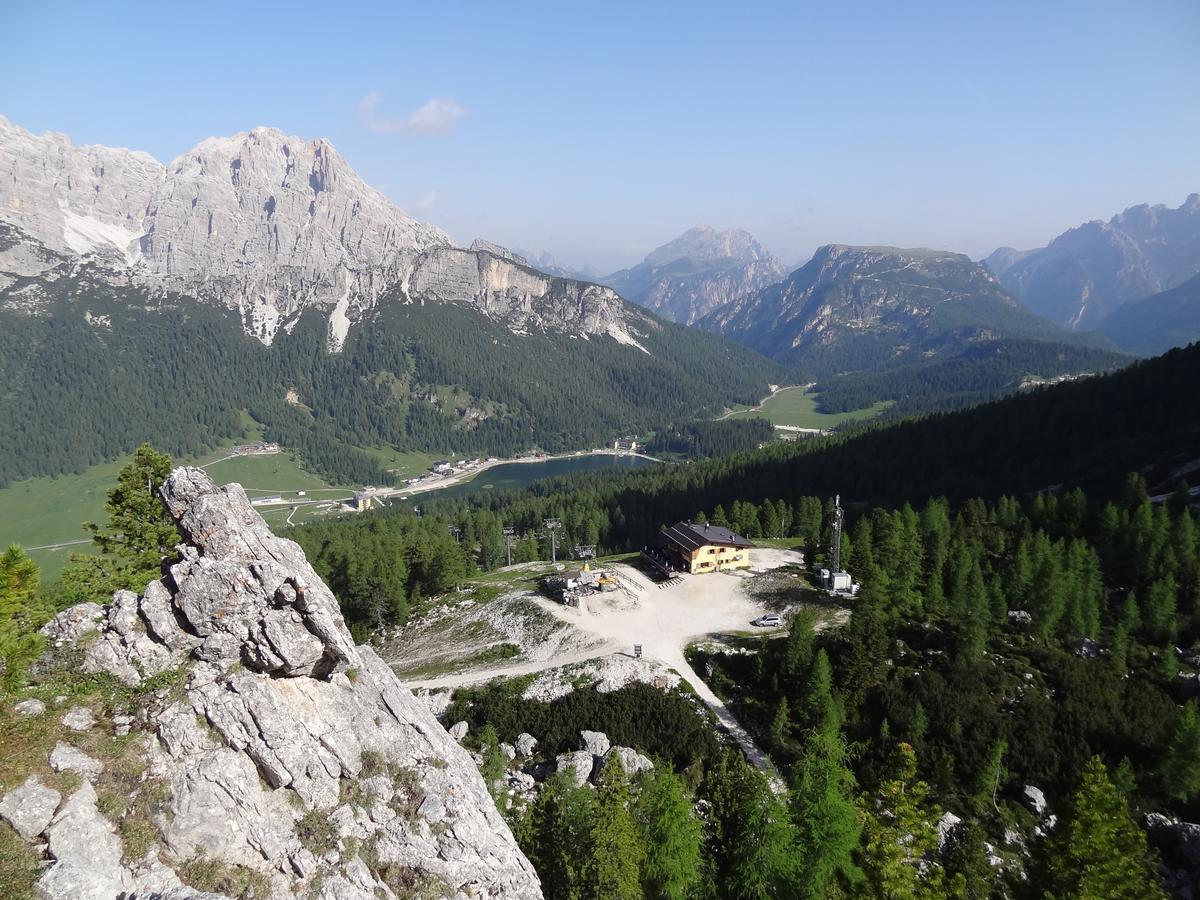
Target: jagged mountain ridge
[(854, 308), (700, 270), (262, 222), (278, 721), (1088, 272)]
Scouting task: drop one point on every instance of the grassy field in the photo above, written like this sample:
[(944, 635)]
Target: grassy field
[(797, 407), (404, 465), (40, 511)]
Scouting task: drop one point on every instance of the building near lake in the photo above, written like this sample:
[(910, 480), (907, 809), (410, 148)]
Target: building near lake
[(697, 547)]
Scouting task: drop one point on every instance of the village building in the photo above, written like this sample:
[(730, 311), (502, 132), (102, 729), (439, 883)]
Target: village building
[(698, 547)]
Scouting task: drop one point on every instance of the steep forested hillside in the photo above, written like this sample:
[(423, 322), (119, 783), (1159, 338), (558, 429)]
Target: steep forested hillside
[(1158, 322), (983, 371), (1090, 432), (109, 367)]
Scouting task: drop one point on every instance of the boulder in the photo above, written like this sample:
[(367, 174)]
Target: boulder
[(79, 719), (72, 624), (525, 744), (578, 764), (458, 730), (30, 707), (1034, 800), (509, 751), (947, 823), (594, 742), (30, 807), (65, 758), (631, 761), (1179, 841)]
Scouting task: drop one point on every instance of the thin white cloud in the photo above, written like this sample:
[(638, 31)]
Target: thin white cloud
[(425, 202), (438, 116)]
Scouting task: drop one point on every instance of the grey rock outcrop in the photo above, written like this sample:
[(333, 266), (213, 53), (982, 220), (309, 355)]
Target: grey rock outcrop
[(30, 807), (595, 742), (79, 719), (577, 764), (525, 744), (458, 730), (1034, 800), (30, 707), (631, 761), (278, 716), (65, 758)]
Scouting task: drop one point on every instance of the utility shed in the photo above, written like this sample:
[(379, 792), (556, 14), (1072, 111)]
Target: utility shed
[(694, 547)]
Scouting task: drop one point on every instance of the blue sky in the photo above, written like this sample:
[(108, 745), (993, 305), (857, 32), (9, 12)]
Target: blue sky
[(598, 131)]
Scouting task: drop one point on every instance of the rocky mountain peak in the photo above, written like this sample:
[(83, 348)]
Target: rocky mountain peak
[(705, 244), (699, 271), (1090, 271), (263, 222), (279, 721)]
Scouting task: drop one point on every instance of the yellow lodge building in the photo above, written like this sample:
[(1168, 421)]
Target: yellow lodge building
[(699, 547)]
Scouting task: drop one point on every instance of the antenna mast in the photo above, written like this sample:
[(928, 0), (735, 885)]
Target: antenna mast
[(837, 534)]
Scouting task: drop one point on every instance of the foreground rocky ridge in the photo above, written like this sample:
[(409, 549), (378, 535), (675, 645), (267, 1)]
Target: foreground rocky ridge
[(265, 223), (280, 748)]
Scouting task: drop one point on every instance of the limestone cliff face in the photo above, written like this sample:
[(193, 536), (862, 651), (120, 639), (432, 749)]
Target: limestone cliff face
[(280, 718), (263, 222), (520, 296)]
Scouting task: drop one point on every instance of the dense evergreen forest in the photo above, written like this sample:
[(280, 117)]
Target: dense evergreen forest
[(1090, 433), (982, 372), (1005, 701), (439, 378)]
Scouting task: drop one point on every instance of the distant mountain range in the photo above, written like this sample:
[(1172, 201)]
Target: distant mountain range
[(259, 274), (924, 329), (1089, 272), (698, 272), (853, 308)]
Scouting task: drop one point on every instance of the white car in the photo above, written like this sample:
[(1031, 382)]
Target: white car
[(770, 620)]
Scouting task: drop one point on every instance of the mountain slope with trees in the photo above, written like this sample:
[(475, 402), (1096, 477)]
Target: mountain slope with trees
[(1158, 322), (437, 377)]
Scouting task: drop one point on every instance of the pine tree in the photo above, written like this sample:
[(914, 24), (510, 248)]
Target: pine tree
[(20, 615), (900, 835), (671, 834), (1181, 770), (557, 835), (781, 727), (824, 813), (615, 856), (1098, 852), (798, 648), (139, 534)]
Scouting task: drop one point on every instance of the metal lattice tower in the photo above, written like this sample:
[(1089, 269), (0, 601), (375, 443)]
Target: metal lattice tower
[(837, 534), (509, 531), (552, 526)]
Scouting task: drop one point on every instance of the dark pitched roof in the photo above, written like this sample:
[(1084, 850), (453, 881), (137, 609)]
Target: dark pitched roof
[(690, 535)]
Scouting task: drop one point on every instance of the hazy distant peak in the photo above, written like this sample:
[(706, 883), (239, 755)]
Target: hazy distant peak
[(705, 244)]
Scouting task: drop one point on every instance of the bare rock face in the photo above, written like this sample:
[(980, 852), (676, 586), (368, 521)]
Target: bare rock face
[(288, 750), (264, 223)]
